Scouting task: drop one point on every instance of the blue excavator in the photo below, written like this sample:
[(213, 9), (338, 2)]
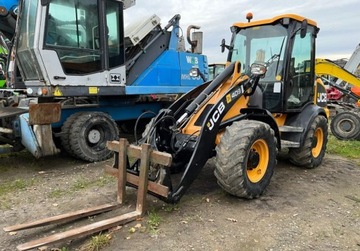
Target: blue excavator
[(85, 76)]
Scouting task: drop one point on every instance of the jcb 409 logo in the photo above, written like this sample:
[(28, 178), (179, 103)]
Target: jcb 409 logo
[(216, 116), (322, 98)]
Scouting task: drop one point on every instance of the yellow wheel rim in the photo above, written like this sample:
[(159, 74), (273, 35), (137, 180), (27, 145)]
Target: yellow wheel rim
[(260, 155), (319, 139)]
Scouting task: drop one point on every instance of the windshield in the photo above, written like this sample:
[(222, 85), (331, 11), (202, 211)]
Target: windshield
[(259, 45)]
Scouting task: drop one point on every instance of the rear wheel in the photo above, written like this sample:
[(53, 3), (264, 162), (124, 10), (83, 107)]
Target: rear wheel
[(245, 158), (312, 152), (346, 125), (89, 134)]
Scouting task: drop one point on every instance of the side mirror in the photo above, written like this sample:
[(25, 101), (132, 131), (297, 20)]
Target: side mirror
[(222, 45), (303, 29)]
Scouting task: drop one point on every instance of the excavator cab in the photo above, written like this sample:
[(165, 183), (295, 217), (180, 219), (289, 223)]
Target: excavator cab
[(287, 46)]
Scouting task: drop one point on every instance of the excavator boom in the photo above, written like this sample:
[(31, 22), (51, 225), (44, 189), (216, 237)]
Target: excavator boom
[(327, 67)]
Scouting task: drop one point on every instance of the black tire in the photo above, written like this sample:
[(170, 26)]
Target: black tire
[(89, 134), (312, 152), (246, 158), (65, 133), (346, 125)]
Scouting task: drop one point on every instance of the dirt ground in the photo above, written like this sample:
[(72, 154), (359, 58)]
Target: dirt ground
[(316, 209)]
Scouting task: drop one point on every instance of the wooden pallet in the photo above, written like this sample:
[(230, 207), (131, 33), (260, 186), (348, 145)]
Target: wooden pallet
[(123, 149)]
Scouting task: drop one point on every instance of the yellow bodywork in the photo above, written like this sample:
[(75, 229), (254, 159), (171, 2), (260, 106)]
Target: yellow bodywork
[(192, 129), (326, 67), (274, 19)]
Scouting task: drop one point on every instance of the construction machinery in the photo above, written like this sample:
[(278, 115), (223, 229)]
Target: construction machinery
[(267, 99), (83, 75), (343, 93), (343, 98)]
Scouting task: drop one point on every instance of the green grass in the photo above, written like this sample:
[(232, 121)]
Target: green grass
[(153, 221), (16, 185), (58, 193), (80, 184), (97, 243), (345, 148)]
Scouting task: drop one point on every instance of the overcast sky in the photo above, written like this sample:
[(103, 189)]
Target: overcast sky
[(339, 21)]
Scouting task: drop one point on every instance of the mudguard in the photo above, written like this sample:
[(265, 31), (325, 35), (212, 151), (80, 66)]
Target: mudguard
[(303, 119)]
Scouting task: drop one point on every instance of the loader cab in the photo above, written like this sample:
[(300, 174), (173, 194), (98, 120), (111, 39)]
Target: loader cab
[(73, 44), (286, 44)]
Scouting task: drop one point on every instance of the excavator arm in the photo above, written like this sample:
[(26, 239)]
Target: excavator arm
[(327, 67)]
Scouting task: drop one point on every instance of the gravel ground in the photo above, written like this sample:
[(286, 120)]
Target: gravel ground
[(316, 209)]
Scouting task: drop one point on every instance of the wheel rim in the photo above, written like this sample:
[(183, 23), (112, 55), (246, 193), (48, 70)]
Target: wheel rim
[(258, 161), (94, 136), (346, 125), (319, 139), (97, 136)]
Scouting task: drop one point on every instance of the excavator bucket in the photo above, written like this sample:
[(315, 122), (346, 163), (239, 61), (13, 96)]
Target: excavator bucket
[(123, 149)]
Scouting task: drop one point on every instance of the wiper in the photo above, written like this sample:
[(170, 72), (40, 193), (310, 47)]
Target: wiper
[(278, 55)]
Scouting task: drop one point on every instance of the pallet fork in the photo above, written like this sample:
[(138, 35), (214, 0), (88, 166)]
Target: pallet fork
[(123, 149)]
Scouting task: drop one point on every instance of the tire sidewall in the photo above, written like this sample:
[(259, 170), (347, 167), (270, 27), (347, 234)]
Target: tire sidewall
[(258, 187), (320, 123), (232, 175), (340, 134)]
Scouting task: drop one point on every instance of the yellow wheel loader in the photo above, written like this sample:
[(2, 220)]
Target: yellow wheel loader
[(266, 100)]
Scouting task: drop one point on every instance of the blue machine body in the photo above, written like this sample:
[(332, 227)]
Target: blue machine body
[(8, 5)]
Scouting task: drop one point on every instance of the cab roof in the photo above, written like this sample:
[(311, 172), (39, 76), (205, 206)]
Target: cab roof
[(274, 20)]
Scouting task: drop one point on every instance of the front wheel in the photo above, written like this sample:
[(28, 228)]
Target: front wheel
[(312, 152), (245, 158), (89, 133)]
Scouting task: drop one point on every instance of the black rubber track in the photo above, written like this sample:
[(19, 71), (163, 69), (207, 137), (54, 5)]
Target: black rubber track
[(232, 154)]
